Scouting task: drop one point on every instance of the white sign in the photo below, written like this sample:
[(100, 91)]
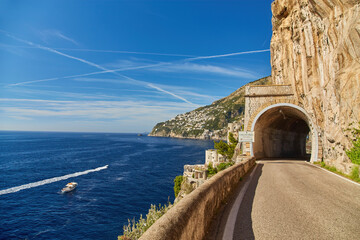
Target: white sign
[(245, 136)]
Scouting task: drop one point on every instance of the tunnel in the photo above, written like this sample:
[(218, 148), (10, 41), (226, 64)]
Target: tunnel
[(282, 131)]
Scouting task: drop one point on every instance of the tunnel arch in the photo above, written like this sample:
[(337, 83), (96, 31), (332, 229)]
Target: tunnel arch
[(281, 130)]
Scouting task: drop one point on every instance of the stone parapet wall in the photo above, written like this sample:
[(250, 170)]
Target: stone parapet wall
[(191, 217)]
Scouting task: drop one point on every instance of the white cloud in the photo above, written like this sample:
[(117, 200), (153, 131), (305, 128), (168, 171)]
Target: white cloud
[(95, 110), (20, 118)]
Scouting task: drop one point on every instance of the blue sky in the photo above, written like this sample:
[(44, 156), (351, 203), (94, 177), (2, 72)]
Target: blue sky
[(123, 66)]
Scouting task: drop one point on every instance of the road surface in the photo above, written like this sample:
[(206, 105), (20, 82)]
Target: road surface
[(289, 199)]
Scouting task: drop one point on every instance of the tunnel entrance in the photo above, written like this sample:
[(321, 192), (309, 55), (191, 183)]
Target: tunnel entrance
[(283, 131)]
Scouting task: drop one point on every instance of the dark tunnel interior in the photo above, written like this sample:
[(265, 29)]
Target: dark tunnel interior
[(281, 132)]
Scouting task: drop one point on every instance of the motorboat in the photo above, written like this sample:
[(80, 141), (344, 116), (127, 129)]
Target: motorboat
[(69, 187)]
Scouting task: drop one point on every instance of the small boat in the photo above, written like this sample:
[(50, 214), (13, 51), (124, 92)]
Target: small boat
[(69, 187)]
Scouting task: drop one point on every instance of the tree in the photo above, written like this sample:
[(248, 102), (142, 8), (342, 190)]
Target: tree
[(222, 148), (232, 145), (226, 149)]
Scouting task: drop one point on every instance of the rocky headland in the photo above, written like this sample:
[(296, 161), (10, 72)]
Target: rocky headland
[(208, 122)]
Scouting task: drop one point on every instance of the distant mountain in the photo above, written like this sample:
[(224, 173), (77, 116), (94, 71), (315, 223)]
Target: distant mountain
[(209, 122)]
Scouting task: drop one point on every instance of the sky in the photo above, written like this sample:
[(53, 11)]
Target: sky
[(124, 65)]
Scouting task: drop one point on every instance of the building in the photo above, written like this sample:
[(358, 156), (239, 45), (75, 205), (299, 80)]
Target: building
[(234, 128), (213, 157)]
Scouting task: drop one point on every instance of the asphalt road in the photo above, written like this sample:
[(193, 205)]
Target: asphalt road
[(289, 199)]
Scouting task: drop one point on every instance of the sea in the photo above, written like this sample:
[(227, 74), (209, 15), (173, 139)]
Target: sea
[(119, 176)]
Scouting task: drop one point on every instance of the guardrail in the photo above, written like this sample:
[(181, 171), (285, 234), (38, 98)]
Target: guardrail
[(191, 217)]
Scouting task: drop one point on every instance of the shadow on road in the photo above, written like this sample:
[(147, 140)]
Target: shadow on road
[(216, 230), (243, 225)]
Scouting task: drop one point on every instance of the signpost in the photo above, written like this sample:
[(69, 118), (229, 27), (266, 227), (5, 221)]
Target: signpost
[(245, 136)]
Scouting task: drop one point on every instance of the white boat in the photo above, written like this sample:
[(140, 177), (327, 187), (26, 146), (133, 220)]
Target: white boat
[(69, 187)]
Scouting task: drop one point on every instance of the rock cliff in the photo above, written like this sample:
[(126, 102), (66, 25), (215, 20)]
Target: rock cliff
[(209, 122), (315, 47)]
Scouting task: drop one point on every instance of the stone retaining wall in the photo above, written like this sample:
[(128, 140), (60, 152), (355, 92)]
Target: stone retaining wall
[(191, 217)]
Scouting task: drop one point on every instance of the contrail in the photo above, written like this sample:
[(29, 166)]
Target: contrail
[(226, 55), (162, 90), (87, 74), (53, 51), (190, 57), (115, 71), (49, 180), (108, 51), (92, 64), (139, 67)]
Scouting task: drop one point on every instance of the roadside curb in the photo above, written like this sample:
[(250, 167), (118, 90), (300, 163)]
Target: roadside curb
[(356, 183)]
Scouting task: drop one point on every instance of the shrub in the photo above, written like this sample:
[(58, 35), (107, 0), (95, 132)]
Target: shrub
[(134, 230), (177, 184), (355, 174), (354, 152), (223, 166), (211, 170)]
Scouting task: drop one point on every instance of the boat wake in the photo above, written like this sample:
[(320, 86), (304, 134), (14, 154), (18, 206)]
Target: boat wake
[(49, 180)]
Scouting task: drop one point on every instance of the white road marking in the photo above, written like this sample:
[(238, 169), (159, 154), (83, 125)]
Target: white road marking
[(344, 178), (230, 223)]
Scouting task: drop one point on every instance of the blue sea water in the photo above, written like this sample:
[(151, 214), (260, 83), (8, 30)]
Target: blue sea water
[(140, 172)]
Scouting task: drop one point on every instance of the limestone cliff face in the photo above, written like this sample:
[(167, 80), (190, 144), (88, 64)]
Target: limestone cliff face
[(315, 47)]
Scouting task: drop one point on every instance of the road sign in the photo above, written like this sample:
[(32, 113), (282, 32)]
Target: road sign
[(245, 136)]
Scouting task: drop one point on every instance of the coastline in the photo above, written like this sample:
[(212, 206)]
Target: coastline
[(182, 137)]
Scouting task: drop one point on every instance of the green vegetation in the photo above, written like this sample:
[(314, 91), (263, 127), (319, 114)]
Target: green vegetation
[(134, 230), (223, 166), (353, 176), (213, 170), (195, 132), (177, 184), (222, 148), (354, 152), (330, 168), (227, 150)]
